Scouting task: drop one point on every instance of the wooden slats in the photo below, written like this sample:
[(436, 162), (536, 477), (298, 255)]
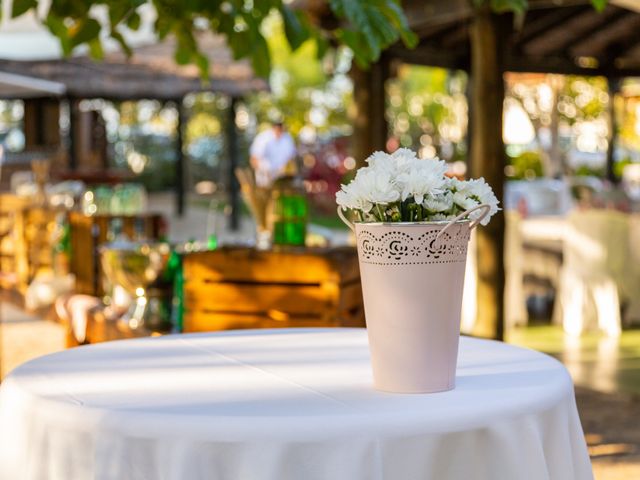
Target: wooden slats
[(244, 288)]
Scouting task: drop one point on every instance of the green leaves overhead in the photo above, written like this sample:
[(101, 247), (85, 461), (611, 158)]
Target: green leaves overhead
[(366, 26), (372, 26), (22, 6)]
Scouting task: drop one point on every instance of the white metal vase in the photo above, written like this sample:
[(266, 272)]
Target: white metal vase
[(412, 282)]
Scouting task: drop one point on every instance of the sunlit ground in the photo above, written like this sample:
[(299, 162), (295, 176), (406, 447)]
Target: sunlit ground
[(595, 361), (606, 372)]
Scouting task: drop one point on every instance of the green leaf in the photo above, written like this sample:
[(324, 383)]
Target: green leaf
[(517, 6), (322, 46), (182, 55), (22, 6), (599, 5), (354, 41), (117, 36), (260, 57), (163, 26), (240, 43), (203, 66), (355, 12), (394, 13), (294, 27), (133, 21), (57, 27), (117, 12), (86, 31), (95, 49)]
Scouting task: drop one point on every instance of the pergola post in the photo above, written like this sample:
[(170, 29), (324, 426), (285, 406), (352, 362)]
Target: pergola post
[(370, 129), (488, 161), (613, 85), (180, 159), (232, 151), (73, 106)]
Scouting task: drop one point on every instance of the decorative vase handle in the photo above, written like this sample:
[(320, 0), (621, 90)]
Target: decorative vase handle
[(472, 225), (345, 220)]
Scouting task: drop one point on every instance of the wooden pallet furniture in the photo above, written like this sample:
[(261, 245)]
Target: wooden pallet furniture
[(235, 287), (88, 233), (26, 244)]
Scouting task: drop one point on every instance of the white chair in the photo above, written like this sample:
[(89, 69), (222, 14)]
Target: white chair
[(515, 303), (632, 312), (595, 271)]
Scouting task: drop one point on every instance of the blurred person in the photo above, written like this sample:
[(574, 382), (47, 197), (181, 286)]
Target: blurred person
[(272, 151)]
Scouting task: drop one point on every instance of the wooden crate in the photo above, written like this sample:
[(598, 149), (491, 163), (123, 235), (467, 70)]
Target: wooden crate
[(235, 287), (11, 232), (88, 233)]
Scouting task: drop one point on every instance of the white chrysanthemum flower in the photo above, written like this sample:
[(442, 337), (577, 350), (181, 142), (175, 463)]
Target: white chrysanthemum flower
[(350, 197), (464, 201), (381, 161), (438, 203), (481, 191), (402, 176), (377, 186), (423, 177)]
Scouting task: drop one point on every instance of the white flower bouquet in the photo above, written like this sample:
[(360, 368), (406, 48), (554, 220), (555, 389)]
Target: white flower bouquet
[(400, 187)]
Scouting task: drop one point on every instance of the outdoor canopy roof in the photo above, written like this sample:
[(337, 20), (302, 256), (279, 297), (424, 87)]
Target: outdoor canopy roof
[(554, 36), (19, 86), (150, 73)]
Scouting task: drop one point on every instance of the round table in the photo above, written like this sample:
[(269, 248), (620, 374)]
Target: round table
[(280, 405)]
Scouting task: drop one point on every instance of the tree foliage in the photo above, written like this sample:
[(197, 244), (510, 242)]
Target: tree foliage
[(366, 26)]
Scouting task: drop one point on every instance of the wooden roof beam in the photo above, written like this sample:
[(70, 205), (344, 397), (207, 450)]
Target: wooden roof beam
[(428, 56), (619, 38), (573, 30), (611, 25), (548, 21), (564, 66)]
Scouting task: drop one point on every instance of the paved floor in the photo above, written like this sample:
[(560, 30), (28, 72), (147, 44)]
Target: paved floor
[(595, 361), (24, 336), (606, 372)]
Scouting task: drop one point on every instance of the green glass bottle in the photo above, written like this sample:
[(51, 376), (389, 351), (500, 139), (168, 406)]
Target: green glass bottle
[(290, 212)]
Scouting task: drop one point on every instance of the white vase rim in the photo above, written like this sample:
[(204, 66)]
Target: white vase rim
[(411, 224)]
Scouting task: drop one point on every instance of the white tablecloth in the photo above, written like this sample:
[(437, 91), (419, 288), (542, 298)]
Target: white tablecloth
[(280, 405)]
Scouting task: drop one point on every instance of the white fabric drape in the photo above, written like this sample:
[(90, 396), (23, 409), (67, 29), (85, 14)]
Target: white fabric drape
[(279, 405)]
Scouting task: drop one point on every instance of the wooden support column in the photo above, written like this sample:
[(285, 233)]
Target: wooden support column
[(73, 108), (488, 161), (232, 151), (614, 85), (180, 160), (370, 129), (41, 120)]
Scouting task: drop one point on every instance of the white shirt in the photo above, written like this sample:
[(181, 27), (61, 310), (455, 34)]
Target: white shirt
[(272, 154)]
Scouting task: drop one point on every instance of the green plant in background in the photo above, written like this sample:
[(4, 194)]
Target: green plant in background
[(427, 108), (589, 171), (618, 167), (526, 166), (306, 91)]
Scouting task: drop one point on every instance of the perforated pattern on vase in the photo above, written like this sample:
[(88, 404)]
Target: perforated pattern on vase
[(398, 247)]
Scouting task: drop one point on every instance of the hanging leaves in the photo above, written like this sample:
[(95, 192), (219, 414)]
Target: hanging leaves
[(366, 26)]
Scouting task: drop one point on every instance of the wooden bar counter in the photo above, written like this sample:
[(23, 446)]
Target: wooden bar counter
[(235, 287)]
